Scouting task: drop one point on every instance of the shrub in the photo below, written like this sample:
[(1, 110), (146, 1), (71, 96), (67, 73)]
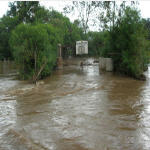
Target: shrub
[(128, 44), (34, 49)]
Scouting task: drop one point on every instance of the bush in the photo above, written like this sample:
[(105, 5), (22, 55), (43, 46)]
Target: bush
[(34, 49), (128, 44), (97, 43), (7, 24)]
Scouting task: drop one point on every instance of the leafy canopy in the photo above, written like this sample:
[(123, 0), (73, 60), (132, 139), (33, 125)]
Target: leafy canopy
[(129, 44), (34, 48)]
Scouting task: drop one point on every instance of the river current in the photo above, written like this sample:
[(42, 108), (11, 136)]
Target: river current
[(77, 108)]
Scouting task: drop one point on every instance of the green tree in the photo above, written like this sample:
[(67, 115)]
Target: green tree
[(24, 10), (19, 12), (97, 43), (128, 44), (86, 10), (7, 24), (111, 11), (70, 32), (147, 26), (34, 49), (33, 13)]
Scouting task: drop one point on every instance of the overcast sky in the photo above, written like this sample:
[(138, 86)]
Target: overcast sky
[(144, 6), (58, 5)]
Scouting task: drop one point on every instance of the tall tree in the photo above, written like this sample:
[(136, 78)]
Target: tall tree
[(128, 44), (20, 11), (86, 12), (111, 10), (147, 25), (7, 24), (70, 32), (35, 49), (25, 10)]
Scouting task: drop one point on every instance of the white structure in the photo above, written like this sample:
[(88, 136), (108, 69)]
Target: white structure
[(102, 63), (106, 64), (109, 64), (81, 47)]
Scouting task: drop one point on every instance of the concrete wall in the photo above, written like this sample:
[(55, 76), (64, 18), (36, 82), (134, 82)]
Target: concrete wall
[(106, 64), (102, 63)]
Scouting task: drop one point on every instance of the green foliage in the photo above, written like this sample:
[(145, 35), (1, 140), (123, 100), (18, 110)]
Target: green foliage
[(19, 12), (24, 10), (70, 32), (147, 26), (32, 44), (86, 11), (128, 44), (33, 13), (7, 24), (97, 43), (34, 47), (42, 15)]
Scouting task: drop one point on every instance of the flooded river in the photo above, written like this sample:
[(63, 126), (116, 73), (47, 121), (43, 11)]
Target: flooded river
[(75, 109)]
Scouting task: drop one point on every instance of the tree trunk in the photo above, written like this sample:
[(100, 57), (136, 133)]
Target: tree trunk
[(35, 61), (36, 76)]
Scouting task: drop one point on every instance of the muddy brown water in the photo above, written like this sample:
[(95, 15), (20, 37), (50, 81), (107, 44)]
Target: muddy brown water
[(75, 109)]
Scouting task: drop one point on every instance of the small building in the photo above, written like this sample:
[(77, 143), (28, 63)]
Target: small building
[(81, 47)]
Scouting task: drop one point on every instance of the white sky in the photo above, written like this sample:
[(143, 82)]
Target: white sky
[(144, 6)]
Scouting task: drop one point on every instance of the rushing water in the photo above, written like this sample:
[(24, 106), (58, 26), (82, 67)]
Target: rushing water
[(75, 109)]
